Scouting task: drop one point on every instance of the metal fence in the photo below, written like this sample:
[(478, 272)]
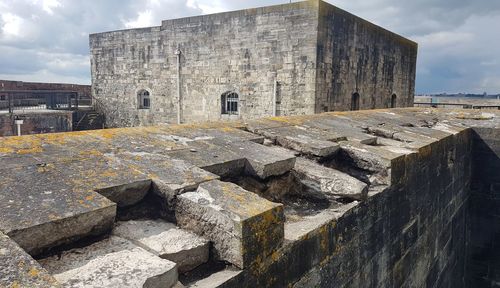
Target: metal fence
[(41, 100), (456, 105)]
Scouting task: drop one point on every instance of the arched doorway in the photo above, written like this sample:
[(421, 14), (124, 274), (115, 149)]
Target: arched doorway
[(393, 100), (355, 101)]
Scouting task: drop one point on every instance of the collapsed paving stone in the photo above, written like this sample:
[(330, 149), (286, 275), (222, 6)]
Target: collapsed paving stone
[(329, 182), (113, 262), (18, 269), (243, 226), (167, 241)]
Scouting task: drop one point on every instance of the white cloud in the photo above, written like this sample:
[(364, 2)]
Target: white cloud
[(144, 19), (11, 25), (444, 39), (49, 5)]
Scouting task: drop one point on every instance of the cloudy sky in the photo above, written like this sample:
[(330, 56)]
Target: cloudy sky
[(47, 40)]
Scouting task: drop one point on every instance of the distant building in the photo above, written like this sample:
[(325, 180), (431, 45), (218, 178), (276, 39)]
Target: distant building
[(298, 58)]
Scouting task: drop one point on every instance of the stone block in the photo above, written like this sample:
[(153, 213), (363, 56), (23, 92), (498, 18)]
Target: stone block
[(304, 140), (243, 226), (167, 241), (170, 176), (18, 269), (262, 161), (41, 208), (329, 182), (217, 279), (113, 262), (212, 158)]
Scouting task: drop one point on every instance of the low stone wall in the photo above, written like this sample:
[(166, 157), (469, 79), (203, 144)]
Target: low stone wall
[(37, 122)]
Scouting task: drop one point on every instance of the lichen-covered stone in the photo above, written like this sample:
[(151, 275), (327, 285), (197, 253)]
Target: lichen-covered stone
[(18, 269), (243, 227)]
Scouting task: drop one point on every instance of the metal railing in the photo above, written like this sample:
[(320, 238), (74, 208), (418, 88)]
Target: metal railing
[(464, 106), (41, 100)]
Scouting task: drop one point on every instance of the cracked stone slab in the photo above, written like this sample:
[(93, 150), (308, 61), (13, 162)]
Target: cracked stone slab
[(220, 134), (370, 158), (243, 226), (121, 184), (40, 209), (263, 161), (19, 269), (330, 182), (304, 140), (341, 127), (167, 241), (213, 158), (170, 176), (113, 262)]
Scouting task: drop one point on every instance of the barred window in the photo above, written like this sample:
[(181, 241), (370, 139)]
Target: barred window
[(229, 103), (143, 99)]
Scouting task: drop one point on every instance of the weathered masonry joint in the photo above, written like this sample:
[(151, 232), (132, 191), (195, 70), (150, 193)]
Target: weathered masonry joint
[(381, 198), (292, 59)]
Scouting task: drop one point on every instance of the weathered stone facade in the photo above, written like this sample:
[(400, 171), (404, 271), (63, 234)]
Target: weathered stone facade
[(292, 59)]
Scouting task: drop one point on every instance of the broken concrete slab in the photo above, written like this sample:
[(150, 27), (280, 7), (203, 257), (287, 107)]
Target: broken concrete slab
[(330, 182), (243, 226), (167, 241), (18, 269), (113, 262)]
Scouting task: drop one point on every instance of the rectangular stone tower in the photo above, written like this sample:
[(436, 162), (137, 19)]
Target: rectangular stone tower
[(299, 58)]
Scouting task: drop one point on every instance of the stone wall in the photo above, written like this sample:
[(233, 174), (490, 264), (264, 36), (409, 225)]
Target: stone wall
[(412, 234), (355, 55), (484, 248), (37, 122), (236, 51), (246, 52)]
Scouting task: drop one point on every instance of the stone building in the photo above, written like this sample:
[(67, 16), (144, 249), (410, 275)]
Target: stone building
[(298, 58)]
